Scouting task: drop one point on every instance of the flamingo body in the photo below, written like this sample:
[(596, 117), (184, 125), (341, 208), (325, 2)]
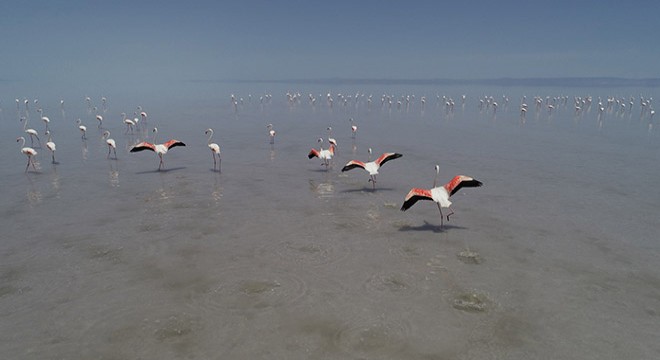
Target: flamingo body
[(215, 148), (440, 194), (29, 152), (51, 145), (323, 154), (371, 167), (160, 149)]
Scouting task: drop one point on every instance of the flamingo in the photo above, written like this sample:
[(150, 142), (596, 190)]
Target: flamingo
[(331, 140), (112, 146), (29, 152), (46, 121), (32, 132), (129, 123), (439, 194), (323, 154), (160, 149), (215, 149), (143, 115), (51, 145), (100, 119), (82, 128), (371, 166), (271, 133), (354, 128)]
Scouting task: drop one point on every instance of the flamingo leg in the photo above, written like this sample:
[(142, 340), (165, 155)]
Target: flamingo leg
[(28, 165), (109, 150), (214, 162), (53, 158), (451, 213), (219, 163), (441, 217), (161, 162), (372, 179)]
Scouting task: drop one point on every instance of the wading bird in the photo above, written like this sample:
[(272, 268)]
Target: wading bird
[(32, 132), (439, 194), (51, 145), (82, 128), (160, 149), (29, 152), (271, 133), (354, 128), (331, 140), (371, 166), (129, 123), (215, 149), (323, 154), (112, 146)]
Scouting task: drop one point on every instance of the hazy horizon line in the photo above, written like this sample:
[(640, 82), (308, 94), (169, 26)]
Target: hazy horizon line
[(605, 81)]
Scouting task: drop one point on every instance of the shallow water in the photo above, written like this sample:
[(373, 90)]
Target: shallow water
[(275, 257)]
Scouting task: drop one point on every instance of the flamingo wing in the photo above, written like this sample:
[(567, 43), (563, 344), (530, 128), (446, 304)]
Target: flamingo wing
[(143, 146), (415, 195), (313, 153), (387, 157), (461, 181), (173, 143), (352, 165)]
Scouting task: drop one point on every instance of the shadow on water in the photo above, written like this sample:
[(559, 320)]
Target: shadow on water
[(156, 171), (321, 170), (367, 189), (430, 227)]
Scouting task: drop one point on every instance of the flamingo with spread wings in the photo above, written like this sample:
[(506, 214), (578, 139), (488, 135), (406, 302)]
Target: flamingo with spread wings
[(440, 194)]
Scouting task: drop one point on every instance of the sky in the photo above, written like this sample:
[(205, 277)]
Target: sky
[(160, 42)]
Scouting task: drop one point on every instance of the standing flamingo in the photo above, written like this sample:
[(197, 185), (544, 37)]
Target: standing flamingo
[(112, 146), (29, 152), (32, 132), (215, 149), (271, 133), (160, 149), (331, 140), (371, 166), (323, 154), (82, 128), (439, 194), (129, 123), (100, 120), (51, 145), (354, 128)]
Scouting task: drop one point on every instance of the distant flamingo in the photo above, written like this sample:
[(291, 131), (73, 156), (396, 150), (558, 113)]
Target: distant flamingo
[(215, 149), (51, 145), (354, 128), (323, 154), (271, 133), (439, 194), (45, 119), (129, 123), (100, 120), (112, 146), (32, 132), (371, 166), (82, 128), (29, 152), (331, 140), (143, 115), (160, 149)]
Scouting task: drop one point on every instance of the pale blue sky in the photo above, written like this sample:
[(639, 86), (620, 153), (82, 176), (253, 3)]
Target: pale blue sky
[(131, 42)]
